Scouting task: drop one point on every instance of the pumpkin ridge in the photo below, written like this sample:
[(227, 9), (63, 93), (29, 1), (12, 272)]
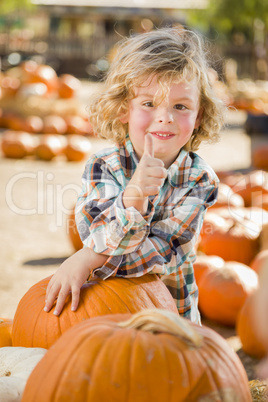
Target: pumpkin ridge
[(128, 341), (220, 352), (118, 296), (164, 348), (205, 378), (35, 326), (170, 351), (25, 305), (100, 361), (149, 293), (66, 317), (99, 355), (100, 302), (131, 365)]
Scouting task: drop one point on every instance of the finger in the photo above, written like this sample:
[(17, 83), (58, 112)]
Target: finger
[(157, 171), (61, 300), (51, 296), (50, 283), (75, 298), (152, 190), (148, 145)]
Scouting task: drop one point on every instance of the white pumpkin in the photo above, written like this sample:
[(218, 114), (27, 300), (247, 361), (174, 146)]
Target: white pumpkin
[(16, 364)]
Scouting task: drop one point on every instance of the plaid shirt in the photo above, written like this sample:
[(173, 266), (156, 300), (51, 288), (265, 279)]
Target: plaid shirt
[(163, 240)]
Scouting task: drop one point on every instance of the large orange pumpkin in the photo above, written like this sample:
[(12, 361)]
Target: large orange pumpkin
[(33, 327), (5, 332), (205, 263), (222, 292), (150, 356), (246, 329), (232, 233)]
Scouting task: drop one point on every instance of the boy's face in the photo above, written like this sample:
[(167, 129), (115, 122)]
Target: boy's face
[(171, 120)]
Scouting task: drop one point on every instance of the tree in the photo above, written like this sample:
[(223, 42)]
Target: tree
[(224, 18), (9, 6)]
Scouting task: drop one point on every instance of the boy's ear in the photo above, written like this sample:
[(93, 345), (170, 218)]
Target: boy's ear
[(124, 118), (199, 118)]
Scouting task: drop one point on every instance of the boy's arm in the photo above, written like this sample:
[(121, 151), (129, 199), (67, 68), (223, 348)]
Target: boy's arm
[(70, 276), (169, 241)]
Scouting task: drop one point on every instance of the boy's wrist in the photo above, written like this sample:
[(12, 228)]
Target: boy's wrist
[(133, 197)]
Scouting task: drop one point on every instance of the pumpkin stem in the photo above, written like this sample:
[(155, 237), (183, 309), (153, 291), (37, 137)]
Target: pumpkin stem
[(157, 320)]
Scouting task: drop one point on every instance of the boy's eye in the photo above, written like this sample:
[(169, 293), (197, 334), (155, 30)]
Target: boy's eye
[(148, 104), (179, 107)]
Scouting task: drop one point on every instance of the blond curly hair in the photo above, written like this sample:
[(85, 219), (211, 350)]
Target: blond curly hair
[(170, 54)]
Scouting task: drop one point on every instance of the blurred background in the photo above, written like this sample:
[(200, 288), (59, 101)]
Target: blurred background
[(53, 56)]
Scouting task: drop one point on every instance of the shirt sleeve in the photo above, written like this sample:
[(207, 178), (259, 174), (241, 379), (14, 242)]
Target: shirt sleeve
[(171, 239), (103, 223)]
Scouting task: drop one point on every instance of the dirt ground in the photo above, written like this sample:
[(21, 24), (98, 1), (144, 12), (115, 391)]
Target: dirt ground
[(37, 196)]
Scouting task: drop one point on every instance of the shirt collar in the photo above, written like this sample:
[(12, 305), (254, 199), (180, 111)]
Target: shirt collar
[(178, 172)]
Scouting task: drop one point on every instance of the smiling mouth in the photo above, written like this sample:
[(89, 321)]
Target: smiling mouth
[(163, 135)]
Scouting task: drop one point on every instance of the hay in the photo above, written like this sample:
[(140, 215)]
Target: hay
[(258, 390)]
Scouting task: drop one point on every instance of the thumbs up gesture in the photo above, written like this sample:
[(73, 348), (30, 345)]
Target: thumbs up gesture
[(147, 180)]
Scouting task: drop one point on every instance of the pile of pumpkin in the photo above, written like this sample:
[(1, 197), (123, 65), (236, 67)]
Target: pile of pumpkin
[(41, 115), (126, 333), (126, 341), (47, 147), (232, 247)]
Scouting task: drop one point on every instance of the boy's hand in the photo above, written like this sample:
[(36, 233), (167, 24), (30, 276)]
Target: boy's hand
[(70, 277), (67, 279), (148, 178)]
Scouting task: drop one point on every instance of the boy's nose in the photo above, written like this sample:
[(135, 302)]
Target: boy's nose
[(165, 116)]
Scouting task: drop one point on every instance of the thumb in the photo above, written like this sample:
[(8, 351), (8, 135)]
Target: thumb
[(148, 145)]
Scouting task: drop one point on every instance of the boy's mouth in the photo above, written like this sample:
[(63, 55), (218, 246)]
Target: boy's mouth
[(162, 135)]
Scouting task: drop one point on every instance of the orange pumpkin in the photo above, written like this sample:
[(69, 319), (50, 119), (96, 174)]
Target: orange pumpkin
[(77, 148), (45, 74), (226, 197), (222, 292), (232, 233), (261, 201), (17, 144), (260, 260), (50, 146), (77, 125), (54, 124), (5, 332), (73, 232), (68, 85), (205, 263), (150, 356), (34, 124), (249, 185), (260, 307), (15, 122), (9, 86), (260, 157), (33, 327), (246, 329)]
